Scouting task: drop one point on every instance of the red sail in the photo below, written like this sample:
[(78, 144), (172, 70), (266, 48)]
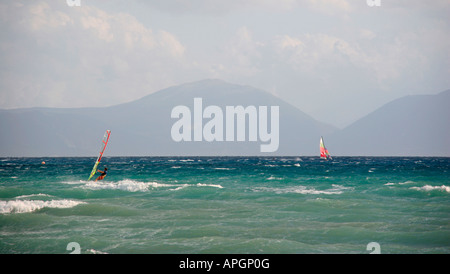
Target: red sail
[(323, 150)]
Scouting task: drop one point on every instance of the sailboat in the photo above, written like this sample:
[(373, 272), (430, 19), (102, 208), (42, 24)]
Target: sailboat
[(324, 154)]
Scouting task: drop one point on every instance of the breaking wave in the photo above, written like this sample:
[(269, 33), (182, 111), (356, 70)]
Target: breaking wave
[(26, 206), (33, 195), (336, 189), (136, 186), (428, 188)]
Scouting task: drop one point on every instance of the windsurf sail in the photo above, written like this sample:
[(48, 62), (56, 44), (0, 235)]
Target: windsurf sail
[(324, 154), (104, 143)]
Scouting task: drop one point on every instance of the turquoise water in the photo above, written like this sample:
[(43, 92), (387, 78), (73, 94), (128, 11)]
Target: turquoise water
[(225, 205)]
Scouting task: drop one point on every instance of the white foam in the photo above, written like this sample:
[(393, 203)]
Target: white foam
[(210, 185), (407, 182), (33, 195), (431, 188), (198, 185), (404, 183), (93, 251), (25, 206), (75, 182), (336, 189), (125, 185), (136, 186)]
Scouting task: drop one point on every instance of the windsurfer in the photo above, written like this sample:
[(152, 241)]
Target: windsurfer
[(103, 174)]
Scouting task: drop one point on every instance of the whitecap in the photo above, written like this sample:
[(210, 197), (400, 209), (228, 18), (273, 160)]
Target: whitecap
[(136, 186), (93, 251), (33, 195), (125, 185), (74, 182), (407, 182), (26, 206), (403, 183), (427, 188), (336, 189), (179, 187), (210, 185)]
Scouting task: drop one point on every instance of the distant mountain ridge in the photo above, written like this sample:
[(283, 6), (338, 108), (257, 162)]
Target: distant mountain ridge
[(410, 126), (415, 125), (143, 127)]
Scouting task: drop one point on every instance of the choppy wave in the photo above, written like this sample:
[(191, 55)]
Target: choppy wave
[(336, 189), (26, 206), (401, 183), (210, 185), (33, 195), (74, 182), (125, 185), (315, 207), (136, 186), (425, 188), (93, 251), (428, 188), (274, 178)]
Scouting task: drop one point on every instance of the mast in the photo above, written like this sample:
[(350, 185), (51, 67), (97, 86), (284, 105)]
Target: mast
[(102, 150)]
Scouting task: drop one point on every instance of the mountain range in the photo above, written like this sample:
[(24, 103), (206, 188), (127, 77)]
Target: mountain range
[(412, 125)]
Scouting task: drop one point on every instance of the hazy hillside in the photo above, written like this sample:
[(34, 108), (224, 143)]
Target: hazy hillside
[(143, 127), (412, 125), (416, 125)]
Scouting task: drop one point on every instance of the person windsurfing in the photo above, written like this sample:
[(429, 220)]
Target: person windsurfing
[(103, 174)]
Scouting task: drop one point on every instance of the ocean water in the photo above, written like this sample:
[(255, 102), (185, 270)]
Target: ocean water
[(196, 205)]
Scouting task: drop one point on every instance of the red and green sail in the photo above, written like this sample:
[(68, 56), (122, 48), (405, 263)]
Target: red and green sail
[(324, 154), (104, 143)]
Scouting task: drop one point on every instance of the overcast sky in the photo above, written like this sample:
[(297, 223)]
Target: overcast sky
[(336, 60)]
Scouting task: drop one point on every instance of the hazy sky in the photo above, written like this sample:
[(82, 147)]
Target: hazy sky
[(336, 60)]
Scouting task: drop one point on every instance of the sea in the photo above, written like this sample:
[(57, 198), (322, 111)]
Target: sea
[(225, 205)]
